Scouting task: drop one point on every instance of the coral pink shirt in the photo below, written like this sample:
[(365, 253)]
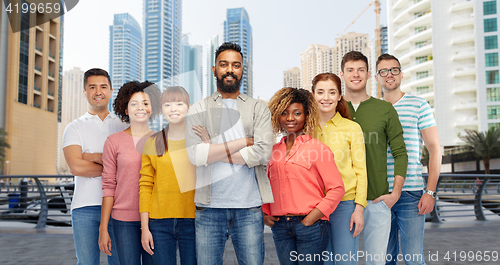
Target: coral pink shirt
[(122, 158), (300, 180)]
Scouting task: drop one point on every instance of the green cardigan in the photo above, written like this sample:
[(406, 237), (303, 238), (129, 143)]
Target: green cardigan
[(380, 124)]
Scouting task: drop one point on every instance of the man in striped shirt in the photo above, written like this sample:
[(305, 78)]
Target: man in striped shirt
[(415, 115)]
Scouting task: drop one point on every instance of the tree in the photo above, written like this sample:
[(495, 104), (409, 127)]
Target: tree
[(3, 145), (484, 144)]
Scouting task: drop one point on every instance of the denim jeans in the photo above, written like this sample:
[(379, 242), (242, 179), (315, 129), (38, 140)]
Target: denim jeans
[(85, 222), (213, 227), (128, 243), (376, 232), (296, 242), (408, 225), (169, 233), (342, 245)]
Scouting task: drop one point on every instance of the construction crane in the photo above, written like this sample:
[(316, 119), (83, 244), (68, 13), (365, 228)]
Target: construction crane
[(378, 37)]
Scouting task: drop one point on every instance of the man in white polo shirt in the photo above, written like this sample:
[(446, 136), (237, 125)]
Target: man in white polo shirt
[(83, 143)]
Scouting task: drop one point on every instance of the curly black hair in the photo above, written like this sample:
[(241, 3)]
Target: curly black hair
[(287, 96), (228, 46), (128, 89)]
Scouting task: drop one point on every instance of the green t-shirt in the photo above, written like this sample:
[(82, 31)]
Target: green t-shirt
[(380, 124)]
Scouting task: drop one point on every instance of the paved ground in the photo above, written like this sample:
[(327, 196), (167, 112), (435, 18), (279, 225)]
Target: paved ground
[(453, 242)]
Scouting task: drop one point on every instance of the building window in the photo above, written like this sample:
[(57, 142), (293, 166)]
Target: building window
[(425, 74), (490, 8), (22, 92), (491, 77), (493, 112), (423, 90), (420, 29), (491, 42), (490, 24), (420, 44), (493, 94), (491, 59), (421, 59), (494, 125)]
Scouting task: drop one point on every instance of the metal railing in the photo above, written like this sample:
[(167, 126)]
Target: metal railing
[(456, 193), (40, 199)]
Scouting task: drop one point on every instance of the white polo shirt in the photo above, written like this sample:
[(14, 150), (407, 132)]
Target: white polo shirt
[(90, 132)]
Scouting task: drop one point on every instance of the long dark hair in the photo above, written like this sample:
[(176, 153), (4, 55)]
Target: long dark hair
[(171, 94)]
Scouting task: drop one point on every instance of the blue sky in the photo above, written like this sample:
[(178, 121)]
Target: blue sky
[(282, 29)]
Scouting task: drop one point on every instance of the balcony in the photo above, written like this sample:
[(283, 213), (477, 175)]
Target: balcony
[(465, 70), (463, 54), (421, 80), (413, 37), (38, 48), (463, 21), (466, 104), (468, 121), (418, 66), (50, 93), (52, 56), (36, 105), (404, 14), (465, 88), (37, 68), (37, 89), (51, 75), (463, 39), (400, 4), (416, 50), (413, 22), (459, 5)]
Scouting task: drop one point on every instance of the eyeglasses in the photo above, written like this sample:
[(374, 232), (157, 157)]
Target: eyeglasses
[(385, 72)]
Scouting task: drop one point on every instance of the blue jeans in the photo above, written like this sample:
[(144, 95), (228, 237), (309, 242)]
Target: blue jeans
[(128, 243), (407, 224), (169, 233), (85, 222), (342, 245), (213, 227), (376, 232), (296, 242)]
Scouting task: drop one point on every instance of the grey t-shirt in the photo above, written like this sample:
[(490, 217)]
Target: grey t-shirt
[(233, 186)]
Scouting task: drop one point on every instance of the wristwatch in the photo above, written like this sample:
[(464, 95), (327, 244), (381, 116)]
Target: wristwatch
[(432, 193)]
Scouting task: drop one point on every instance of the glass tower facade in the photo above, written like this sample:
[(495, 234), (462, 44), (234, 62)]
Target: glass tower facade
[(125, 52), (162, 45), (237, 29)]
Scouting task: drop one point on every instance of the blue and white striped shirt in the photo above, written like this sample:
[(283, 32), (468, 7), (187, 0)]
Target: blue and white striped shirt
[(415, 114)]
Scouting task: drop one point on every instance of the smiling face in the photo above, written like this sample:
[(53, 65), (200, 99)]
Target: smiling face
[(390, 82), (98, 92), (175, 112), (139, 108), (327, 95), (228, 71), (355, 75), (293, 119)]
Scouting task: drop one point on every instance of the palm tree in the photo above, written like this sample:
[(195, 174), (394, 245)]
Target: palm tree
[(484, 144), (3, 145)]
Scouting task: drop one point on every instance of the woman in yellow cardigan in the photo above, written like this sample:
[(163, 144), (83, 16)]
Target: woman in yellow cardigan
[(345, 139), (167, 187)]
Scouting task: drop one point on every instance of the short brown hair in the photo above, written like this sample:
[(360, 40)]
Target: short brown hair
[(387, 56), (353, 56)]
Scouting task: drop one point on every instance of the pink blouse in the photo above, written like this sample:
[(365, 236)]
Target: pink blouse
[(305, 179)]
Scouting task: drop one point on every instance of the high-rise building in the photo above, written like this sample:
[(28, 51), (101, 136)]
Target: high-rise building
[(315, 60), (125, 52), (291, 78), (449, 55), (320, 58), (384, 40), (192, 69), (162, 45), (29, 82), (237, 29), (211, 46), (74, 105)]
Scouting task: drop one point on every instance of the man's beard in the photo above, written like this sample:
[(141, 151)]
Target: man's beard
[(228, 88)]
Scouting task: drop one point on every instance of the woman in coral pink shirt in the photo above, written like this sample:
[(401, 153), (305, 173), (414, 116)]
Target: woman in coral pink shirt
[(135, 104), (306, 184)]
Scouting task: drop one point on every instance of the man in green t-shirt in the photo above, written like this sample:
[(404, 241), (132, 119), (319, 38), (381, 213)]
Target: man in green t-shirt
[(380, 124)]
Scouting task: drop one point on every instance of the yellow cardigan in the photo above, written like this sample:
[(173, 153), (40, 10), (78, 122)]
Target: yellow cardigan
[(167, 184), (345, 139)]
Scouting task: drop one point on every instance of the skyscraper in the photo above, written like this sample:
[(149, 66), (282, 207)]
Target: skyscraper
[(237, 29), (29, 82), (212, 45), (449, 55), (192, 69), (125, 52), (162, 45), (291, 78)]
